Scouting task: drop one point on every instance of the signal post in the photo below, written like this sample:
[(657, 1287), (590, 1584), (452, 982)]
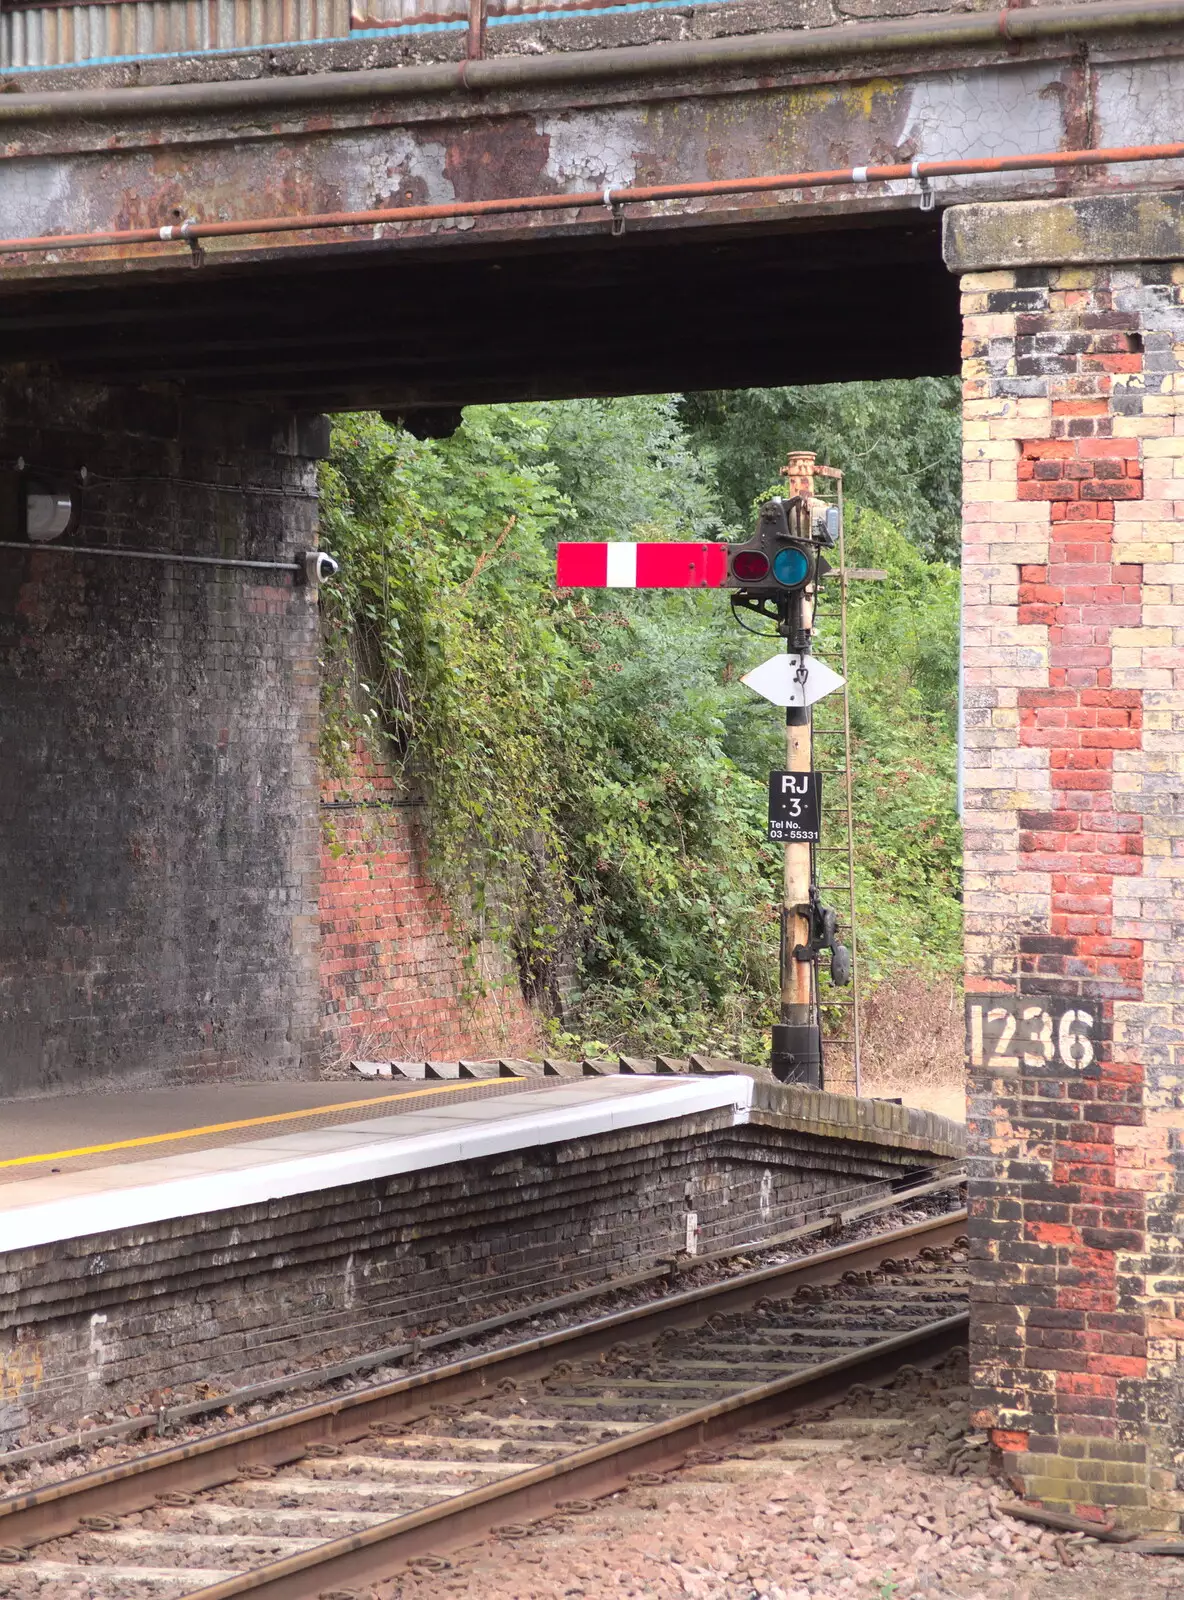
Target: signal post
[(797, 1040), (774, 574)]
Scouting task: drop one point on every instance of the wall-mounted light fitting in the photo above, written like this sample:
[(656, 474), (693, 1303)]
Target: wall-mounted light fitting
[(34, 508), (49, 512), (316, 567)]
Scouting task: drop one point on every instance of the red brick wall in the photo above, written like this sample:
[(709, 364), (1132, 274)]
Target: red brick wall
[(393, 983)]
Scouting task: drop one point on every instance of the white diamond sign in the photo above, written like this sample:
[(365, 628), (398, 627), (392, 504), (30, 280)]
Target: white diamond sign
[(793, 680)]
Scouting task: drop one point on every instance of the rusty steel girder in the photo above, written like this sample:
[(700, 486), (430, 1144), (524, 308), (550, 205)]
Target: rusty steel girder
[(594, 299)]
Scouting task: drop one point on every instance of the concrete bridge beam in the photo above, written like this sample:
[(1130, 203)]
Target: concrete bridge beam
[(158, 819), (1073, 318)]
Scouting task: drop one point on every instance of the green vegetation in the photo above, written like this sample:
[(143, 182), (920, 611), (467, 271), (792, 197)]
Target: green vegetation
[(595, 773), (898, 443)]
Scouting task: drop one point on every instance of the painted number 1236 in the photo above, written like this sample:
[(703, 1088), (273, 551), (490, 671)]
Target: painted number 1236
[(1005, 1033)]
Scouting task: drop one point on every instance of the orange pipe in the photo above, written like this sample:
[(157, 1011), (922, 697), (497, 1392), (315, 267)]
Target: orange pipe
[(612, 199)]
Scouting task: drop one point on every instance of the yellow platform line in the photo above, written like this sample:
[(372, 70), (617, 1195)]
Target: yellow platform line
[(229, 1127)]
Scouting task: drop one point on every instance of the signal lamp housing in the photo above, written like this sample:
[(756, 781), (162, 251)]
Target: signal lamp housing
[(791, 566), (781, 558)]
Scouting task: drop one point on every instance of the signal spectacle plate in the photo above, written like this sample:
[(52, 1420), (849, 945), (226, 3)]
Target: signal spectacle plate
[(750, 565), (791, 567)]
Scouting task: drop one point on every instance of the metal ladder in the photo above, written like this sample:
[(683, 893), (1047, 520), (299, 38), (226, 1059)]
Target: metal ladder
[(834, 858)]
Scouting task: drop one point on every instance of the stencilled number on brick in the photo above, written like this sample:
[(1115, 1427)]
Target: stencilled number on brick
[(1037, 1033)]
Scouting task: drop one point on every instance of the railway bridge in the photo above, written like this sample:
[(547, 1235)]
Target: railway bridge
[(220, 219)]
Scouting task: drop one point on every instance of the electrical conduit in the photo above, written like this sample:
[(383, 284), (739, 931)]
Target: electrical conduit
[(610, 199)]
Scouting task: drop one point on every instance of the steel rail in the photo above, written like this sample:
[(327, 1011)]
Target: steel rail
[(756, 53), (57, 1509), (608, 200), (162, 1422), (369, 1556)]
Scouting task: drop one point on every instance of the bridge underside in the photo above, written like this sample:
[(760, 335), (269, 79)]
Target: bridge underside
[(800, 283), (452, 324)]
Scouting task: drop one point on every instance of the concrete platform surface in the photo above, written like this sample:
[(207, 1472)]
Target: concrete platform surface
[(210, 1167), (88, 1130)]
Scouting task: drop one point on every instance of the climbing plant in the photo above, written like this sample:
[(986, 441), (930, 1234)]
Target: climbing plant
[(593, 771)]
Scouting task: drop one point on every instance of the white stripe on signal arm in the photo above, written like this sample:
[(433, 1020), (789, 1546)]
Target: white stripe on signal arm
[(621, 567)]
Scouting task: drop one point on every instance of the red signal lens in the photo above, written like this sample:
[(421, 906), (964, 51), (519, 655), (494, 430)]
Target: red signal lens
[(750, 565)]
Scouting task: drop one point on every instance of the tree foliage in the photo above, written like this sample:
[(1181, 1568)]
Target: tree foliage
[(898, 442), (595, 773)]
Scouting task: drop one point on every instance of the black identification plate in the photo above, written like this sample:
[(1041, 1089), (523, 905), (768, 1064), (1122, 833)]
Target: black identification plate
[(795, 800)]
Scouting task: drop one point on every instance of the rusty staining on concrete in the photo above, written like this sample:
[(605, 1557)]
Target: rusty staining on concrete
[(504, 156), (1078, 101)]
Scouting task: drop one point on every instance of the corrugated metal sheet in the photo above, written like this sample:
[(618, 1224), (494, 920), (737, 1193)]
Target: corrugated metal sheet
[(60, 35), (527, 8), (435, 13), (55, 34), (404, 13)]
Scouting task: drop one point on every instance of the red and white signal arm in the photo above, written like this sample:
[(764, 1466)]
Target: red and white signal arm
[(609, 565)]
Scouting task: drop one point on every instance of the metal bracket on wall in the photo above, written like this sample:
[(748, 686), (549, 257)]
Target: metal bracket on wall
[(616, 208), (927, 196), (475, 43)]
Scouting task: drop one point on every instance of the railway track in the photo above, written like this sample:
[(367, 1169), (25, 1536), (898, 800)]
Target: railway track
[(329, 1497)]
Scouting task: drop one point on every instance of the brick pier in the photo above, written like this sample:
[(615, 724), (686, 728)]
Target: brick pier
[(1074, 812), (158, 841)]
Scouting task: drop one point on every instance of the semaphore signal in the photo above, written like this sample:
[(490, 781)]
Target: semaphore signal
[(612, 565), (776, 574)]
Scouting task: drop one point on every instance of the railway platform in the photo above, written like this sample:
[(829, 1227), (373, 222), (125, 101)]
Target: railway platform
[(168, 1154), (221, 1234)]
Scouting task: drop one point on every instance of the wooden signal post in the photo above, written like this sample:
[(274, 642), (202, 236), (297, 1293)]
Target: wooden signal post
[(797, 1043)]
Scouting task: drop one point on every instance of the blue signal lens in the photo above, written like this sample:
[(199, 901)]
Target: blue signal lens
[(791, 567)]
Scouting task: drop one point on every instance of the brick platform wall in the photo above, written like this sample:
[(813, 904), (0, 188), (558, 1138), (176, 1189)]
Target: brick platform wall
[(393, 981), (1073, 576), (234, 1295)]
